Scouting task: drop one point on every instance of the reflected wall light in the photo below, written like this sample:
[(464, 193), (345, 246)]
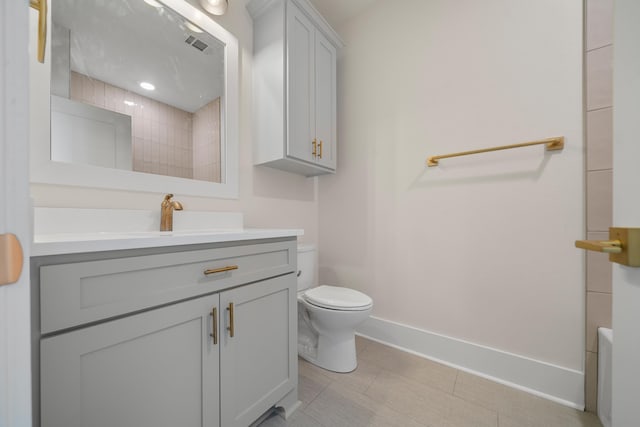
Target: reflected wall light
[(215, 7)]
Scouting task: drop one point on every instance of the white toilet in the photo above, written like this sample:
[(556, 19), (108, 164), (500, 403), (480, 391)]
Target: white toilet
[(327, 317)]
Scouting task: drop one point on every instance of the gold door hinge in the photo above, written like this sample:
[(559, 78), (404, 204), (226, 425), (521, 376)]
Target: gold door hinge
[(10, 259)]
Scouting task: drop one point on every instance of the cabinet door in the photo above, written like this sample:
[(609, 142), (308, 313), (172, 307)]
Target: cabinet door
[(300, 85), (325, 101), (258, 365), (158, 368)]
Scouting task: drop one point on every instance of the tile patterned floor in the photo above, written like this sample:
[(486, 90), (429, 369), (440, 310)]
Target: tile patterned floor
[(394, 388)]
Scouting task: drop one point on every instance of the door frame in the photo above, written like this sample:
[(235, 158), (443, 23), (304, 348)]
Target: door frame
[(626, 211), (15, 317)]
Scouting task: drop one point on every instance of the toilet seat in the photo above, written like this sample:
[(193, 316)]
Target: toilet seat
[(338, 298)]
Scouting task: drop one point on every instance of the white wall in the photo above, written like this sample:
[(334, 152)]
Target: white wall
[(268, 198), (481, 248)]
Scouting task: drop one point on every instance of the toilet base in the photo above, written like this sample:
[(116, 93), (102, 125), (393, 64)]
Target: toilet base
[(337, 355)]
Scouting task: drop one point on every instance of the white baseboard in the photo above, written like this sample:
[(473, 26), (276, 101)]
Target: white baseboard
[(561, 385)]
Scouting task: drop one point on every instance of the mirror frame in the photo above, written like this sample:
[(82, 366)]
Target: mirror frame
[(46, 171)]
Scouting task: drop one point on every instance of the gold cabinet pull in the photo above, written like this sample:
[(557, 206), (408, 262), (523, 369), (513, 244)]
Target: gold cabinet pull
[(320, 155), (230, 327), (606, 246), (220, 270), (41, 7), (214, 325), (11, 258), (314, 148), (623, 246)]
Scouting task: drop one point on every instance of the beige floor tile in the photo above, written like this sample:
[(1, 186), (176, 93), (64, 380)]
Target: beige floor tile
[(517, 408), (392, 388), (339, 406), (361, 344), (410, 366), (299, 419), (581, 419), (310, 383), (359, 380), (427, 404)]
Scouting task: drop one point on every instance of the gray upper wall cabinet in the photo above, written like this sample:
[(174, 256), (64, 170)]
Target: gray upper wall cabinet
[(294, 83)]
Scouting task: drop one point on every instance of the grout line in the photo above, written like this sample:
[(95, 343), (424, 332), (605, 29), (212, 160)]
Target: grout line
[(317, 395), (599, 292), (599, 47), (372, 381), (598, 108), (455, 382)]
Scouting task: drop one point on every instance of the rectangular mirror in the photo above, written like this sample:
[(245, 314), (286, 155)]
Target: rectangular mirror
[(143, 97)]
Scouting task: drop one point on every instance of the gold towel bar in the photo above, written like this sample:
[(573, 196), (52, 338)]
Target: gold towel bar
[(552, 144)]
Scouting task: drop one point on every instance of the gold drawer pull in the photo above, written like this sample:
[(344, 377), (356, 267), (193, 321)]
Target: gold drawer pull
[(220, 270), (214, 333), (314, 148), (606, 246), (230, 327), (41, 7)]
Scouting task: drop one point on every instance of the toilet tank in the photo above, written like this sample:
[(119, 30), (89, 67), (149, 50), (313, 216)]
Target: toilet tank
[(306, 266)]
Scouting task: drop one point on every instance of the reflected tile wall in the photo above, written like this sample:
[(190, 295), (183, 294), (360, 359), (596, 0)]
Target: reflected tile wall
[(206, 142), (161, 134)]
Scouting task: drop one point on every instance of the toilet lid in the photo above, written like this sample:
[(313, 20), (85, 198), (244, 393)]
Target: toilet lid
[(337, 298)]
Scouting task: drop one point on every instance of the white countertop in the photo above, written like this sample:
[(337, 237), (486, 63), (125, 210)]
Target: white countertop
[(71, 243)]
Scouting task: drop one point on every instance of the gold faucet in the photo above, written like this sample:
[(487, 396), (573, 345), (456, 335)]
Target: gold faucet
[(167, 207)]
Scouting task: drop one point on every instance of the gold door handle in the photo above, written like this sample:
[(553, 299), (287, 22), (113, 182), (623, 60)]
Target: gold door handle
[(220, 270), (11, 258), (230, 327), (606, 246), (314, 148), (214, 325), (623, 246), (320, 155), (41, 7)]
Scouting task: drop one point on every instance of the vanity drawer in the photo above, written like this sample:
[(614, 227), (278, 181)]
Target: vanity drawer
[(76, 293)]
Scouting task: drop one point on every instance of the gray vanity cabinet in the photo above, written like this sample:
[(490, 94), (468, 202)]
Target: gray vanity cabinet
[(158, 368), (210, 349), (255, 362)]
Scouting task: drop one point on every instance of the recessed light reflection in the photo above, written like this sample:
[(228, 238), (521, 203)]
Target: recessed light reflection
[(147, 86), (192, 27), (153, 3), (130, 103)]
